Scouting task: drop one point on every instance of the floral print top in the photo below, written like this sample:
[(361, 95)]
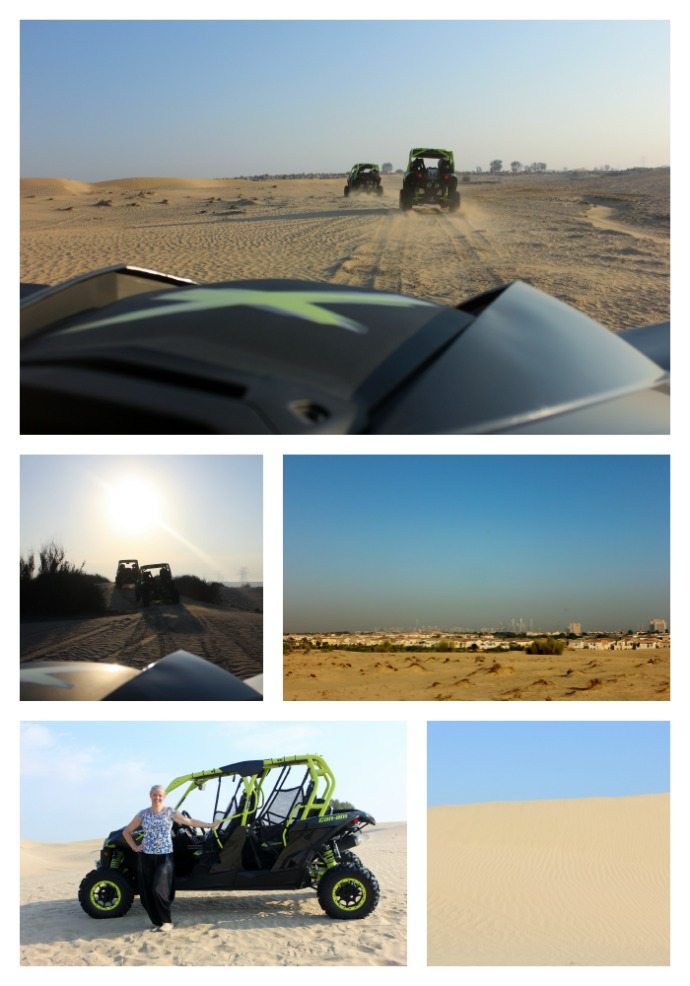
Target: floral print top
[(157, 826)]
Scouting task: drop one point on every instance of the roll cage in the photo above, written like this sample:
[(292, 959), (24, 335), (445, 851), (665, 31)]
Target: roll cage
[(429, 152), (357, 169), (127, 567), (149, 571), (269, 794)]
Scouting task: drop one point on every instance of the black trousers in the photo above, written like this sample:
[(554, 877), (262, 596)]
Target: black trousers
[(156, 878)]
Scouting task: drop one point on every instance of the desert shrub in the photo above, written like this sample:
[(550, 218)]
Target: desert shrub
[(546, 645), (195, 588), (26, 568), (337, 805), (59, 588), (53, 561)]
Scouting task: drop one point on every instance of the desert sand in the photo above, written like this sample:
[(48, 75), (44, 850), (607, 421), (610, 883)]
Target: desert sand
[(597, 241), (314, 675), (241, 928), (568, 882), (229, 634)]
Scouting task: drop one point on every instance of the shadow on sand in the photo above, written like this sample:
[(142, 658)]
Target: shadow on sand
[(45, 922)]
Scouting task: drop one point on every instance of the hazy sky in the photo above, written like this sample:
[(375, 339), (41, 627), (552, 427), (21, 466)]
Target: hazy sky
[(408, 541), (201, 514), (112, 99), (96, 775), (519, 761)]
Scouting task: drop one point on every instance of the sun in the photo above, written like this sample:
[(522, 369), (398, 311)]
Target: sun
[(133, 505)]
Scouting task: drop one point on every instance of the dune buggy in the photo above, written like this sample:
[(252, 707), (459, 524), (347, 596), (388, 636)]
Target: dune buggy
[(279, 831), (127, 572), (156, 584), (364, 178), (430, 180)]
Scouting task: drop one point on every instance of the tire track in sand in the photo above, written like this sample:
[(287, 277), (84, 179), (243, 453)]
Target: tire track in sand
[(386, 261), (230, 638), (425, 253)]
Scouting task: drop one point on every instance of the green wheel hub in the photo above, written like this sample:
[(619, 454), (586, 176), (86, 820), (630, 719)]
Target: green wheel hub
[(349, 894), (105, 895)]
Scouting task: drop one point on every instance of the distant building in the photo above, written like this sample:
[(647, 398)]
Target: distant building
[(575, 628), (657, 626)]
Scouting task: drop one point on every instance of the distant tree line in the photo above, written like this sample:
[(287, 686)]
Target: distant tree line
[(442, 646), (496, 167)]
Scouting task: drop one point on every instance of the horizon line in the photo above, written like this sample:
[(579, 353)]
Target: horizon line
[(563, 797)]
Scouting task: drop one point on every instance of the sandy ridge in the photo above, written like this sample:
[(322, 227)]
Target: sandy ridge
[(565, 882)]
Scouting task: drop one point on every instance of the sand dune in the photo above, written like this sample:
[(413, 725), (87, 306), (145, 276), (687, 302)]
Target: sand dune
[(241, 928), (599, 242), (568, 882), (603, 675)]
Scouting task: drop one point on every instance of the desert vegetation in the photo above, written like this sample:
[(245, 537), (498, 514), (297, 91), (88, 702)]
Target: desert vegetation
[(50, 585), (546, 645), (199, 589)]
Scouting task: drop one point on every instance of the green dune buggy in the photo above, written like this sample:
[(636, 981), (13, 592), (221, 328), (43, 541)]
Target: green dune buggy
[(430, 179), (278, 831), (364, 178)]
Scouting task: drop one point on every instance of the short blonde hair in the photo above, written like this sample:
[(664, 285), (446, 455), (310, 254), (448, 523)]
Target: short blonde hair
[(156, 787)]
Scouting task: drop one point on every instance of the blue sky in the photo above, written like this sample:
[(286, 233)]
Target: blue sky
[(109, 99), (201, 514), (96, 775), (471, 762), (408, 541)]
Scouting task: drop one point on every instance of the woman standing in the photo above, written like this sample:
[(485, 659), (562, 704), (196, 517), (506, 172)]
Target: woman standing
[(156, 861)]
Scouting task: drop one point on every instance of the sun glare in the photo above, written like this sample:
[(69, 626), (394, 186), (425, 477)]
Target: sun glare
[(133, 505)]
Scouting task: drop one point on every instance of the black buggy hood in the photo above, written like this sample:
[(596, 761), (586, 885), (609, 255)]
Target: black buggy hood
[(308, 358)]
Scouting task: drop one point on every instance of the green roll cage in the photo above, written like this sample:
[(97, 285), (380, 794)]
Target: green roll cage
[(252, 776), (430, 152), (356, 168)]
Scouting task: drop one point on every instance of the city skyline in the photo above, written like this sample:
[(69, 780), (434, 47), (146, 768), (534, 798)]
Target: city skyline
[(274, 96), (517, 628), (464, 541)]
